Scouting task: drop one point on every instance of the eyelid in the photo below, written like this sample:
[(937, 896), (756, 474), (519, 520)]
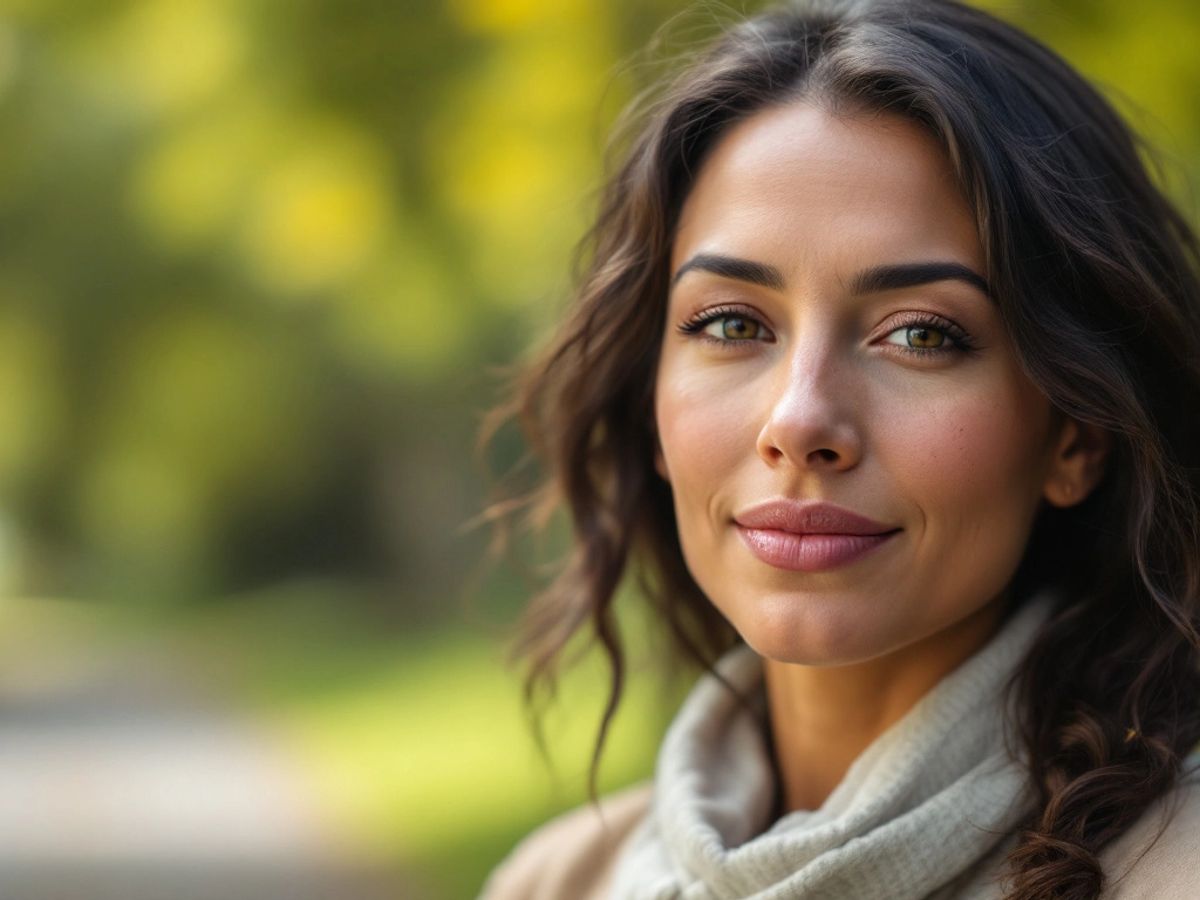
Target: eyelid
[(955, 332)]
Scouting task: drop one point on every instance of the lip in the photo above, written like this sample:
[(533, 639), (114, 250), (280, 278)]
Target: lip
[(809, 537), (809, 518)]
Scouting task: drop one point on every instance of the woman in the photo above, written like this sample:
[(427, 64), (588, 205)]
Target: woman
[(880, 381)]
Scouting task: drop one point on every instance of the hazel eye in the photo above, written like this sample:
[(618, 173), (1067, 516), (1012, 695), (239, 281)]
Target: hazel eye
[(733, 328), (726, 329), (921, 337), (927, 335)]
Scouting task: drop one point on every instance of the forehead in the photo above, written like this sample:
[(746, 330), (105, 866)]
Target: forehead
[(810, 190)]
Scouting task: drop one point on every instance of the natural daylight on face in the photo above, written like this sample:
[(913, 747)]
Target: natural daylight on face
[(829, 338)]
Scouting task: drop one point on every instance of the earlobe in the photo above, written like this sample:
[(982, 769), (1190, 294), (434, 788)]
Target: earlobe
[(660, 463), (1078, 463)]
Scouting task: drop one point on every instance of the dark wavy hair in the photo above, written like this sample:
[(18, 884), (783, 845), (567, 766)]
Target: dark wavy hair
[(1096, 276)]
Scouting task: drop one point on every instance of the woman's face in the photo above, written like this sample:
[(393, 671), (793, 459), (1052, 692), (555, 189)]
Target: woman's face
[(840, 346)]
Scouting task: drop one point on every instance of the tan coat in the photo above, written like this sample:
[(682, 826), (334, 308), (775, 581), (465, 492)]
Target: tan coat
[(572, 857)]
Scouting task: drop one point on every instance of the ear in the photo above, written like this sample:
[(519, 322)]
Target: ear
[(660, 463), (1077, 464)]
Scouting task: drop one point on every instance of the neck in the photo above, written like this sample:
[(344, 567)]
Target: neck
[(823, 717)]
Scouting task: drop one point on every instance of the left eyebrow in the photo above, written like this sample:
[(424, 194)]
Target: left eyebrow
[(893, 277)]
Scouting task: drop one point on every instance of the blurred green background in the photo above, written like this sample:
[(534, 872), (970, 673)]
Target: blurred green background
[(258, 263)]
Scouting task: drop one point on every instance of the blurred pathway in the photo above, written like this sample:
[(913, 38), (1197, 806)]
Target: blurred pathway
[(116, 781)]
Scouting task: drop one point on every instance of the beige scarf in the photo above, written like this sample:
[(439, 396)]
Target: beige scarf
[(914, 816)]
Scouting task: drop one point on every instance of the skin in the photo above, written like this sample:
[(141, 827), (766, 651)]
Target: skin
[(806, 391)]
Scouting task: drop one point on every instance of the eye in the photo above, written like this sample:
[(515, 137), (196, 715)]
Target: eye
[(930, 335), (733, 328), (725, 327)]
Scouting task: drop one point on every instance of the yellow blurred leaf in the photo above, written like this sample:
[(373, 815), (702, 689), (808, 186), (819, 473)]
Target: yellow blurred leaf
[(192, 183), (506, 16), (516, 157), (162, 55), (319, 212)]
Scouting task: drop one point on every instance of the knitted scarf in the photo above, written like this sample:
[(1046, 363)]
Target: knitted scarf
[(915, 815)]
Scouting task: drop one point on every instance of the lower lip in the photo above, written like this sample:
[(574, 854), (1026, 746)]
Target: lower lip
[(810, 552)]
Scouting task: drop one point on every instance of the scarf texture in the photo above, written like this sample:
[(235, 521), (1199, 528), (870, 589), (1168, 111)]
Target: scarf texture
[(915, 816)]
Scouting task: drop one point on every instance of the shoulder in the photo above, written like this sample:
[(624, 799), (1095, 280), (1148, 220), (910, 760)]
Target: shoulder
[(1139, 867), (571, 855)]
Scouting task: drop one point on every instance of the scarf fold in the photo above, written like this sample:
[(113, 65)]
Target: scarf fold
[(925, 802)]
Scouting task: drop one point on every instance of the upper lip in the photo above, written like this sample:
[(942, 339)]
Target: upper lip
[(809, 518)]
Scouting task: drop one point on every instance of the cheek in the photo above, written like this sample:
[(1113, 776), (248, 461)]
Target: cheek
[(984, 444), (975, 470), (702, 430)]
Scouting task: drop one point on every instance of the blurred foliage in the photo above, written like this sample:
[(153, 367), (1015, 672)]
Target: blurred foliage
[(259, 261), (259, 258)]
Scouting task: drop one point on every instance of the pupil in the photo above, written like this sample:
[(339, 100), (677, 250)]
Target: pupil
[(922, 335), (735, 327)]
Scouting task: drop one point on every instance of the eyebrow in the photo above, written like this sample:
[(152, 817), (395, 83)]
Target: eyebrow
[(732, 267), (874, 279)]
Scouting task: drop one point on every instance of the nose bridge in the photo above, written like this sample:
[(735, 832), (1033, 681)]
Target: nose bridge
[(812, 363), (812, 401), (810, 377)]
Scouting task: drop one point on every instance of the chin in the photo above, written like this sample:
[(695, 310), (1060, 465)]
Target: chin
[(808, 633)]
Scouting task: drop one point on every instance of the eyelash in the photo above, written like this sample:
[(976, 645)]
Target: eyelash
[(959, 340)]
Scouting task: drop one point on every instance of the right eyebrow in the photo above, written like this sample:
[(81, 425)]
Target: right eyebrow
[(732, 267)]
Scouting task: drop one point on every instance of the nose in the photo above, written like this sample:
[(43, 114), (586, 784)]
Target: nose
[(812, 418)]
